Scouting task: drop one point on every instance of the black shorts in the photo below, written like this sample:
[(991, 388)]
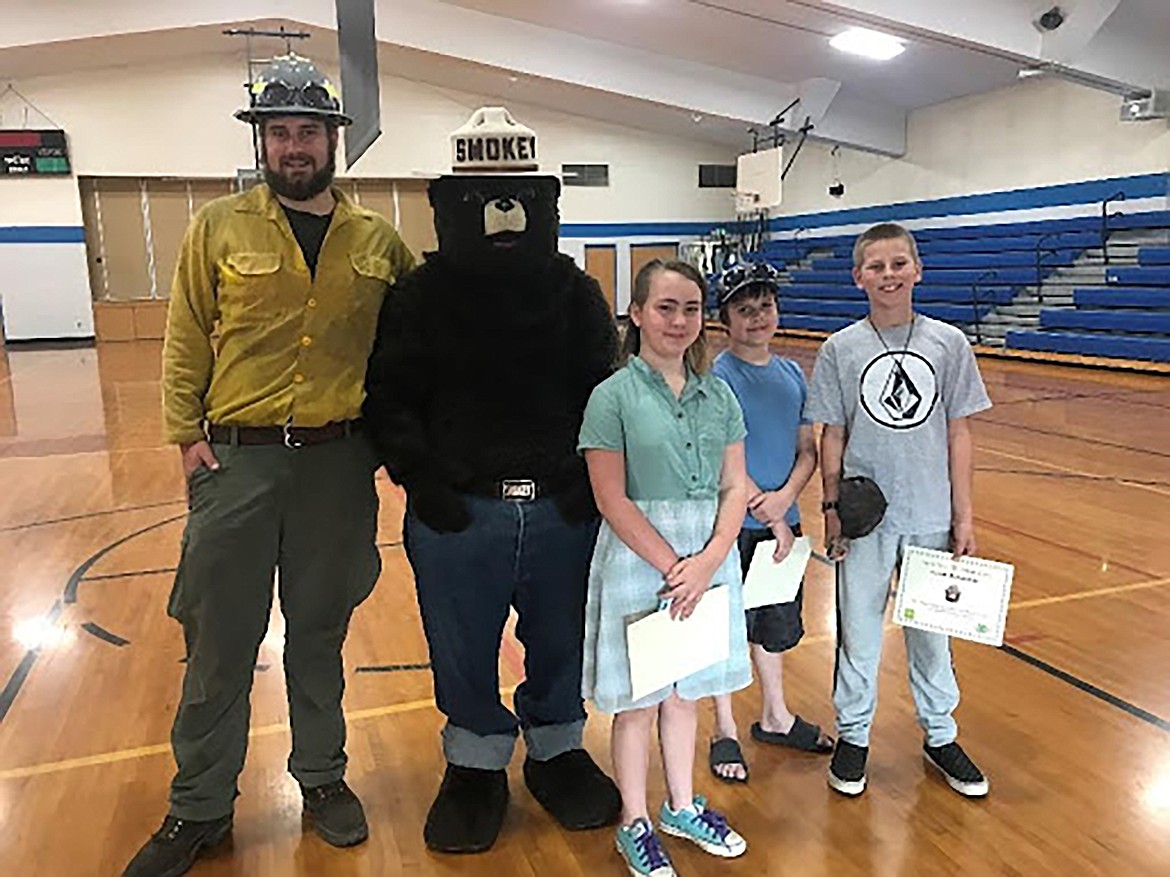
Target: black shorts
[(779, 627)]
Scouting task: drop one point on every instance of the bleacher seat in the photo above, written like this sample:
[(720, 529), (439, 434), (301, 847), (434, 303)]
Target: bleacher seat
[(934, 277), (1092, 344), (1126, 321), (1154, 256), (971, 261), (820, 307), (997, 295), (1139, 276), (1122, 297)]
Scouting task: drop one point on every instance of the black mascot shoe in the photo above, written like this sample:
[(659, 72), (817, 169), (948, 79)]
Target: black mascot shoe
[(574, 790), (173, 849), (468, 811), (336, 814)]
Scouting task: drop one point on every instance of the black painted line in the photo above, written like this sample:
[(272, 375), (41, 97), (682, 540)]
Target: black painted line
[(1084, 476), (1064, 397), (392, 668), (103, 634), (79, 573), (1088, 688), (130, 575), (1076, 438), (20, 674), (87, 515)]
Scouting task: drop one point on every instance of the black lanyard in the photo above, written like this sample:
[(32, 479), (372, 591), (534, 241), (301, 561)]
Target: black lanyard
[(897, 372), (905, 347)]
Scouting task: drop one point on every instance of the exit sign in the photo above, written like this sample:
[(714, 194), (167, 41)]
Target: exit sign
[(28, 152)]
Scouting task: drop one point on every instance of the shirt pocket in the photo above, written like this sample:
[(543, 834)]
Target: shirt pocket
[(248, 286), (372, 276)]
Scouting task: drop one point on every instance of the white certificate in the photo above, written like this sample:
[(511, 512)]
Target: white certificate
[(663, 650), (769, 582), (967, 598)]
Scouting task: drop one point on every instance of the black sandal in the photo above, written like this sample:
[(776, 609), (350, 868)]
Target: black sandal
[(802, 735), (725, 750)]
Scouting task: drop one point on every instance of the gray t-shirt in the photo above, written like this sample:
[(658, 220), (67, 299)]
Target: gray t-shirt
[(895, 404)]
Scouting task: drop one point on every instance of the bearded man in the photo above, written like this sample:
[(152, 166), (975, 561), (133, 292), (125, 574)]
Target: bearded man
[(270, 324)]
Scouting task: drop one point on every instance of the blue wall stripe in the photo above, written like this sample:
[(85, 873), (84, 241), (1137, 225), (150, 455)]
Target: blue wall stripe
[(1089, 192), (637, 229), (42, 234)]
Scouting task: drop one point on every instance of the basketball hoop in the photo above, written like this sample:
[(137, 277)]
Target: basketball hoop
[(747, 202)]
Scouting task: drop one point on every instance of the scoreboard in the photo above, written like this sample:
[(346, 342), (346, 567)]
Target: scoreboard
[(26, 152)]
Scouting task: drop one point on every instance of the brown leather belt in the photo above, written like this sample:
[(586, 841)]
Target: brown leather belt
[(289, 436)]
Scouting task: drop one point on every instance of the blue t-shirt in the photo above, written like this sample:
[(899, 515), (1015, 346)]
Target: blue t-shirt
[(772, 397)]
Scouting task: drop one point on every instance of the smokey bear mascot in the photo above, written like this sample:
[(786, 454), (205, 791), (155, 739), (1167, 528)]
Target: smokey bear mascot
[(485, 357)]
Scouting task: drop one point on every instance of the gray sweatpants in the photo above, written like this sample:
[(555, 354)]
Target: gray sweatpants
[(311, 513), (863, 589)]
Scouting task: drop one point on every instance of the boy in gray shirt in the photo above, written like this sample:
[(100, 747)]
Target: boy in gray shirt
[(894, 392)]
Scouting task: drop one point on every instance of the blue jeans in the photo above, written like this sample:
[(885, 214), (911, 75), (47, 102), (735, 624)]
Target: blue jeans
[(863, 589), (513, 554)]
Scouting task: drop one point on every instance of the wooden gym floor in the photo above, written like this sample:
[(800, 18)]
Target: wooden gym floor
[(1068, 719)]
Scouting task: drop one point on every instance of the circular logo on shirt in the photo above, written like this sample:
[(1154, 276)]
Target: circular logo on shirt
[(899, 389)]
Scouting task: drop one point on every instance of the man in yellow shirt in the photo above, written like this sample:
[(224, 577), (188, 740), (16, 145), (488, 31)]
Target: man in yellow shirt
[(271, 321)]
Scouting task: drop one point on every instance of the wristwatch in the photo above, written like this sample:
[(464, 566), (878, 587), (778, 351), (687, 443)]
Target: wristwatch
[(829, 505)]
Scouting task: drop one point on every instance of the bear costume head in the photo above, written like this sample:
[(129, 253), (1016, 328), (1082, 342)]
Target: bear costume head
[(493, 217)]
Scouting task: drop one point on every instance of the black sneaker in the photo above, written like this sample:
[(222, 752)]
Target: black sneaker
[(173, 849), (847, 769), (960, 771), (336, 814)]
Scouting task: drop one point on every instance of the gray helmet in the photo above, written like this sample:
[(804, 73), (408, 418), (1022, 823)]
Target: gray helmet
[(293, 86)]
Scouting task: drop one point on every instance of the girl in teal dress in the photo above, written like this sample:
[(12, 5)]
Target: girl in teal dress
[(663, 441)]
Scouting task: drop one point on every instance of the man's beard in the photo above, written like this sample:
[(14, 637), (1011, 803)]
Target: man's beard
[(304, 189)]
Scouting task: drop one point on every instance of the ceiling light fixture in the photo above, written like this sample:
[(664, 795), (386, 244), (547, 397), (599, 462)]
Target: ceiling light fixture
[(868, 43)]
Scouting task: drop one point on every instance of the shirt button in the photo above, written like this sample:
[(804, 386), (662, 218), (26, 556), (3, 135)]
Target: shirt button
[(312, 302), (298, 379), (306, 341), (688, 444), (680, 415), (694, 478)]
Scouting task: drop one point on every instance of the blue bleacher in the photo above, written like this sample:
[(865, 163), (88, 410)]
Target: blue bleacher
[(1154, 256), (1092, 344), (856, 309), (972, 261), (1090, 226), (813, 324), (1139, 276), (998, 295), (1129, 318), (940, 277), (1127, 321), (1122, 297)]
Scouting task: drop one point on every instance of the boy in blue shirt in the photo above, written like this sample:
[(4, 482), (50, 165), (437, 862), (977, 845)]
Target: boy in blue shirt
[(781, 457)]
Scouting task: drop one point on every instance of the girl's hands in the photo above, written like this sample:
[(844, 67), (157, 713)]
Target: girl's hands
[(687, 581)]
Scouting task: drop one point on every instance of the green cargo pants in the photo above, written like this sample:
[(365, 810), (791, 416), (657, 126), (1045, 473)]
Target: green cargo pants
[(311, 514)]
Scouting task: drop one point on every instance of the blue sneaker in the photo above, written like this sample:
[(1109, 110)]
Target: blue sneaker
[(643, 851), (703, 826)]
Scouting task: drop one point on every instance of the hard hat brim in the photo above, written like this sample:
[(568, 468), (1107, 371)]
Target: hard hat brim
[(254, 115)]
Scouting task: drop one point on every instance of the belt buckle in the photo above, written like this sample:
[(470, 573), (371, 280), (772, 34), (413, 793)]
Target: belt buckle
[(291, 441), (518, 489)]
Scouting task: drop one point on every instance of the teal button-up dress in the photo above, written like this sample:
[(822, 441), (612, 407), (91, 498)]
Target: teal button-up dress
[(673, 449)]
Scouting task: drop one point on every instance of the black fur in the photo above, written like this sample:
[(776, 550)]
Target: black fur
[(485, 358)]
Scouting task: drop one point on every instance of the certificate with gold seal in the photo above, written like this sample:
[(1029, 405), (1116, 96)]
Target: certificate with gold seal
[(967, 598)]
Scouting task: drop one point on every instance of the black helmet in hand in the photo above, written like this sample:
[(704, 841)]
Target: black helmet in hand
[(861, 505)]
